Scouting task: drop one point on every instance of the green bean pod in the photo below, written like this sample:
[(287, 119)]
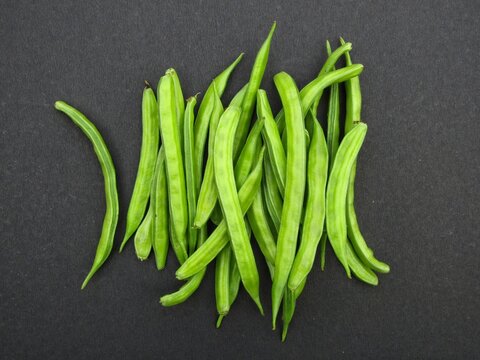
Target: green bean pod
[(353, 116), (276, 152), (257, 219), (174, 165), (110, 220), (204, 113), (179, 102), (294, 187), (219, 237), (160, 218), (234, 281), (143, 237), (247, 156), (289, 304), (190, 180), (333, 118), (230, 203), (273, 199), (248, 103), (192, 284), (359, 269), (207, 197), (312, 230), (146, 165), (337, 188), (222, 282)]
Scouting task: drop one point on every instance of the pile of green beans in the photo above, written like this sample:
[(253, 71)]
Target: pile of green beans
[(207, 180)]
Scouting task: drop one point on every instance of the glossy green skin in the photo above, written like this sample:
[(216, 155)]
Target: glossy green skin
[(289, 303), (205, 111), (333, 136), (257, 218), (359, 269), (143, 237), (234, 280), (179, 102), (313, 223), (189, 288), (216, 216), (273, 199), (160, 218), (249, 153), (207, 197), (110, 220), (177, 194), (219, 237), (352, 116), (222, 281), (271, 135), (190, 180), (248, 103), (337, 192), (146, 164), (230, 203), (294, 187)]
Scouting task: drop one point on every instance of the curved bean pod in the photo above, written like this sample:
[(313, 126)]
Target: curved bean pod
[(189, 288), (276, 152), (207, 197), (361, 271), (313, 223), (159, 203), (273, 199), (337, 187), (190, 180), (204, 112), (230, 203), (250, 95), (174, 163), (294, 187), (146, 164), (110, 220), (219, 237), (352, 116), (222, 282), (143, 237)]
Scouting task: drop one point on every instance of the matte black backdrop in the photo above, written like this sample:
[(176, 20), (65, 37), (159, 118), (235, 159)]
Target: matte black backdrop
[(418, 182)]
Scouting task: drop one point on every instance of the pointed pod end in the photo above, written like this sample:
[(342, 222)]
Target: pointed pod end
[(219, 321), (147, 84), (284, 332)]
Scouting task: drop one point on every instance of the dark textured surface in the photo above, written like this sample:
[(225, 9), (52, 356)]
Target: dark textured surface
[(418, 190)]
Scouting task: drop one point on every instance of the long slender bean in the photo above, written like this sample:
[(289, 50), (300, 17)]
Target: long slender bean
[(294, 187), (207, 197), (219, 237), (190, 180), (110, 220), (143, 237), (273, 199), (146, 165), (205, 111), (160, 218), (228, 197), (174, 165), (313, 223), (276, 152), (222, 282), (352, 116), (359, 269), (179, 102), (337, 187), (250, 95)]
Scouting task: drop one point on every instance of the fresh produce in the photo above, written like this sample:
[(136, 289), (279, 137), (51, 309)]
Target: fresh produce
[(208, 181)]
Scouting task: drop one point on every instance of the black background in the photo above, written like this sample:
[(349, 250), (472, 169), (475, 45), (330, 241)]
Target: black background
[(417, 187)]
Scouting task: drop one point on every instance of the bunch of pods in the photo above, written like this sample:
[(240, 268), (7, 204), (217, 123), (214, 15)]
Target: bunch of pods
[(207, 181)]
